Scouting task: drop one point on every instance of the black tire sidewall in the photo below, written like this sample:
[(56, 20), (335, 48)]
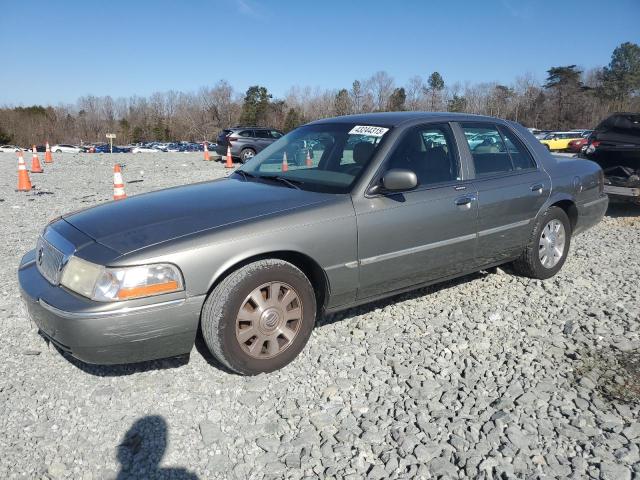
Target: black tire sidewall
[(237, 358), (554, 213)]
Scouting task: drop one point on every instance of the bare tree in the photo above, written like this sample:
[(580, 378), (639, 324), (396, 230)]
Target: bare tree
[(380, 86)]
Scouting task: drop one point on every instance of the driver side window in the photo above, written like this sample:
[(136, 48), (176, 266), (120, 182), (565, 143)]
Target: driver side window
[(490, 156), (428, 151)]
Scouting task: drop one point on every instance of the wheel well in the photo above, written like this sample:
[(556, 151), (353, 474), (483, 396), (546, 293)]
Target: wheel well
[(570, 209), (309, 267)]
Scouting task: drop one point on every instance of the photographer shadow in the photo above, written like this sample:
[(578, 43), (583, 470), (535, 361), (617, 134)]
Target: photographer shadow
[(142, 449)]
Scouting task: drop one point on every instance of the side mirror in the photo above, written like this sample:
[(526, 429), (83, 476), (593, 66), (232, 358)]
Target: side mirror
[(397, 180)]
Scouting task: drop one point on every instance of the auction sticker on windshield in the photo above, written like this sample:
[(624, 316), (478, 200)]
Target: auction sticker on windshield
[(368, 130)]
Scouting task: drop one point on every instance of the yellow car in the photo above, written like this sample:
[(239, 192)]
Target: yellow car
[(559, 140)]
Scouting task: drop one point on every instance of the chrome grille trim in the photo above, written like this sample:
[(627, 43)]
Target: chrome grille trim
[(49, 261)]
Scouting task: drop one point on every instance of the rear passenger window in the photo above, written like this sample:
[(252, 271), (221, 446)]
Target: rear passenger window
[(489, 153), (520, 156), (246, 133), (262, 134)]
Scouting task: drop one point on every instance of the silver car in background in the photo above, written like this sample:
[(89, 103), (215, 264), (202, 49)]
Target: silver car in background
[(65, 148), (337, 213)]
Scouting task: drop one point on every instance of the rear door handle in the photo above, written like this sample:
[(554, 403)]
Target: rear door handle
[(537, 187), (465, 202)]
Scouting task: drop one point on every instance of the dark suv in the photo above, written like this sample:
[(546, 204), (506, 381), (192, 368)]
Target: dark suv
[(245, 141), (615, 146)]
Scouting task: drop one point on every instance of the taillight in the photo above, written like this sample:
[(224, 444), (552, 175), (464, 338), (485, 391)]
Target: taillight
[(592, 146)]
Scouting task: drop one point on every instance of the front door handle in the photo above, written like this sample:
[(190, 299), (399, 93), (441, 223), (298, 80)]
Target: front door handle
[(465, 202), (537, 187)]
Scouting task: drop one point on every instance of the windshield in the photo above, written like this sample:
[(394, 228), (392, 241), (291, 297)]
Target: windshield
[(326, 157)]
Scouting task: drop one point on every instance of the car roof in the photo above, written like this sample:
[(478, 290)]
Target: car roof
[(392, 119)]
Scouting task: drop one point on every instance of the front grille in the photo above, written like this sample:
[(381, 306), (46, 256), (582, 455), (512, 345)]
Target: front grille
[(49, 261)]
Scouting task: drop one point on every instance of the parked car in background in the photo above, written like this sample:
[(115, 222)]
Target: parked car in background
[(540, 134), (615, 146), (490, 138), (161, 146), (142, 149), (188, 147), (10, 148), (254, 259), (583, 133), (101, 148), (39, 148), (66, 148), (106, 148), (578, 145), (558, 141), (245, 141)]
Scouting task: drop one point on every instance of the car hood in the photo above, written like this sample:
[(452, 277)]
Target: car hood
[(144, 220)]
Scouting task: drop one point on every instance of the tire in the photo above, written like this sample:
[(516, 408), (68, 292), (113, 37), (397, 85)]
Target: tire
[(548, 147), (247, 154), (58, 151), (530, 263), (221, 322)]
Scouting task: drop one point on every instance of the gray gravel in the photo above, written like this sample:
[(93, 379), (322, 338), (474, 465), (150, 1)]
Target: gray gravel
[(491, 376)]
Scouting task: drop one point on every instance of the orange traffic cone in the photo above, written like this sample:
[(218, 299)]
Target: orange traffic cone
[(24, 183), (35, 162), (118, 183), (206, 152), (285, 164), (308, 160), (229, 163), (47, 155)]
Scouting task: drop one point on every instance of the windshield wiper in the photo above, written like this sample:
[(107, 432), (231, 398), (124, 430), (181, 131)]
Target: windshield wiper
[(245, 175), (287, 181)]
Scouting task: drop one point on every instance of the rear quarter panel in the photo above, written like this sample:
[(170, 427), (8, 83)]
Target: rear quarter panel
[(572, 179)]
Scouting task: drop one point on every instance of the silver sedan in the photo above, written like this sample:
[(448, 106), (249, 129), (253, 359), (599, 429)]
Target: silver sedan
[(336, 213)]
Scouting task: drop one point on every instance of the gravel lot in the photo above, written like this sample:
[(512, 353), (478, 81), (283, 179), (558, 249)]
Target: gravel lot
[(490, 376)]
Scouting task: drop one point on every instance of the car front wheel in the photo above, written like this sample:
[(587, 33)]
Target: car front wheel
[(259, 318), (548, 246)]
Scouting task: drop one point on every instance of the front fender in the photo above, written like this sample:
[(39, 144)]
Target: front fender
[(325, 233)]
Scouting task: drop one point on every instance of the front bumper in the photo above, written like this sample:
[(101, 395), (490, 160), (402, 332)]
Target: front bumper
[(109, 333)]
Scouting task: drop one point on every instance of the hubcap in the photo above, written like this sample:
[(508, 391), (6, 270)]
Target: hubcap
[(248, 154), (551, 245), (269, 320)]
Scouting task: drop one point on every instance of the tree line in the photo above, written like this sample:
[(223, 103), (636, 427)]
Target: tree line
[(568, 98)]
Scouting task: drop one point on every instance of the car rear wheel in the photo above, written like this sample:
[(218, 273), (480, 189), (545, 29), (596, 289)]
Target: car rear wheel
[(259, 318), (548, 246), (247, 154), (58, 151)]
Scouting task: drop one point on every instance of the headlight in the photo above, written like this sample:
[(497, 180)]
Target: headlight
[(112, 284)]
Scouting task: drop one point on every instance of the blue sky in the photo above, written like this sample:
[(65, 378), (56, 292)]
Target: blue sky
[(54, 52)]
